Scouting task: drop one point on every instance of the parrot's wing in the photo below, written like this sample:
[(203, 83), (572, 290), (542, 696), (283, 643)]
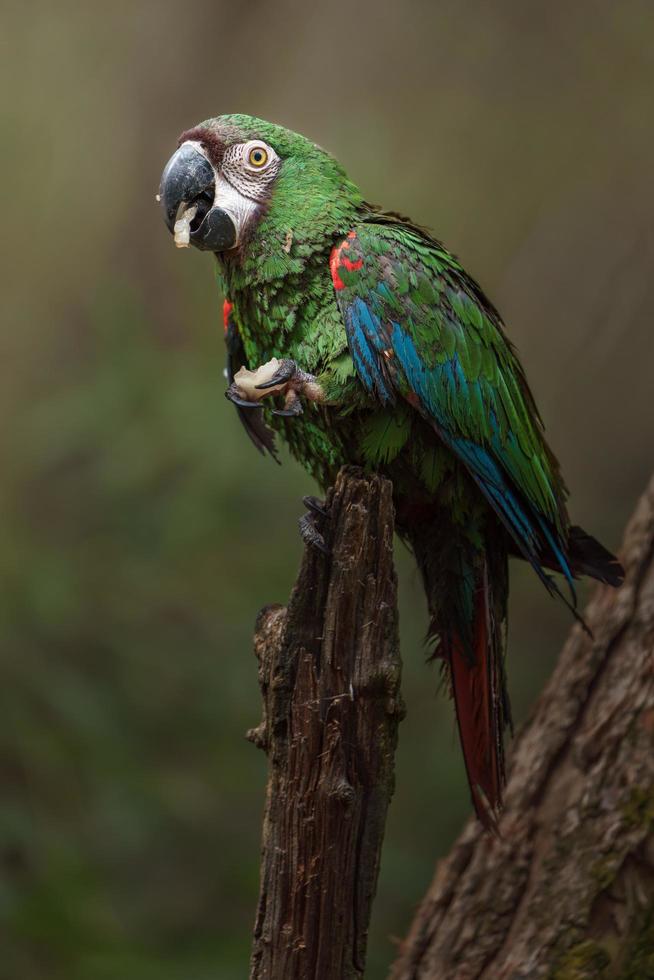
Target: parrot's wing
[(252, 419), (419, 328)]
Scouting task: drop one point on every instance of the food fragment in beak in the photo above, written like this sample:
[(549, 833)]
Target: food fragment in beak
[(182, 229)]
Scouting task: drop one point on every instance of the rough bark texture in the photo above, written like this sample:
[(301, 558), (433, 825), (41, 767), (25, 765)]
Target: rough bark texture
[(568, 890), (330, 679)]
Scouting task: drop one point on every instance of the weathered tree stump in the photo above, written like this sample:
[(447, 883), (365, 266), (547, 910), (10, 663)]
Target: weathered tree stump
[(329, 669), (567, 892)]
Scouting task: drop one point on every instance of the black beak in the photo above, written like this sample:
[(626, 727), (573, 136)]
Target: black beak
[(189, 179)]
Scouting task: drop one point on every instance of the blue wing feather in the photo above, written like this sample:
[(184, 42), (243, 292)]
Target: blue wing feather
[(473, 412)]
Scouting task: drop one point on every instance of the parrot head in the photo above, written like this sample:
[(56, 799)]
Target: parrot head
[(235, 179)]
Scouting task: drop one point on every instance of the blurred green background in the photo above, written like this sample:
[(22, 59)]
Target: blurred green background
[(140, 530)]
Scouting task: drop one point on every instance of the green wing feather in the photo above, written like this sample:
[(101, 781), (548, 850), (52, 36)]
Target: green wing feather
[(471, 381), (419, 327)]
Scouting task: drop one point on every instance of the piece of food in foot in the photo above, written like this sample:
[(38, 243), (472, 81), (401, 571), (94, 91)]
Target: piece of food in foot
[(182, 227), (248, 380)]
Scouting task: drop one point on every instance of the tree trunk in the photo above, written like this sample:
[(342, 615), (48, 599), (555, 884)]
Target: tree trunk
[(330, 675), (567, 891)]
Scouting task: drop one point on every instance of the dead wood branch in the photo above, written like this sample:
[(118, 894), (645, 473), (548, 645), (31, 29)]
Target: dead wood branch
[(329, 669)]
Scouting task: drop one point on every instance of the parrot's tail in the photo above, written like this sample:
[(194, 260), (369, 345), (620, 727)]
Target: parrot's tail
[(476, 664), (589, 557), (467, 602), (586, 556)]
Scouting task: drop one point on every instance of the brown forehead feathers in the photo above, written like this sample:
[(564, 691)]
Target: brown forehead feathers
[(210, 140), (215, 139)]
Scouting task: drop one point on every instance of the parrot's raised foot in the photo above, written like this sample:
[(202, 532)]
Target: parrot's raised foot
[(309, 523), (276, 377)]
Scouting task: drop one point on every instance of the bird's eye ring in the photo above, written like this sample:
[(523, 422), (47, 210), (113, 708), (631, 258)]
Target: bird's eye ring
[(258, 157)]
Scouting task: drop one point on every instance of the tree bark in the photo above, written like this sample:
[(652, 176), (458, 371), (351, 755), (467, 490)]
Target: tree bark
[(329, 670), (567, 891)]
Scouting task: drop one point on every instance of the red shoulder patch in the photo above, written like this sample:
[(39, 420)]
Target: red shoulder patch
[(227, 309), (338, 261)]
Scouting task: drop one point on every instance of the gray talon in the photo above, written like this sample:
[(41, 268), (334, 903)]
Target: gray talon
[(316, 505), (292, 405), (232, 396), (293, 409), (287, 369)]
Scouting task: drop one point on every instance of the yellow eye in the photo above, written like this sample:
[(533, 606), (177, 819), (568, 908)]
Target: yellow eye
[(257, 157)]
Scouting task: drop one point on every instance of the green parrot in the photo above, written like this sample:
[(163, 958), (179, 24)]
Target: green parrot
[(360, 339)]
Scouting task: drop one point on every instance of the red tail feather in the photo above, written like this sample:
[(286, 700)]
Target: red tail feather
[(471, 643), (477, 692)]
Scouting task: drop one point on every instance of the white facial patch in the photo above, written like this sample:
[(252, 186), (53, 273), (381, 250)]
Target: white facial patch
[(238, 207)]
